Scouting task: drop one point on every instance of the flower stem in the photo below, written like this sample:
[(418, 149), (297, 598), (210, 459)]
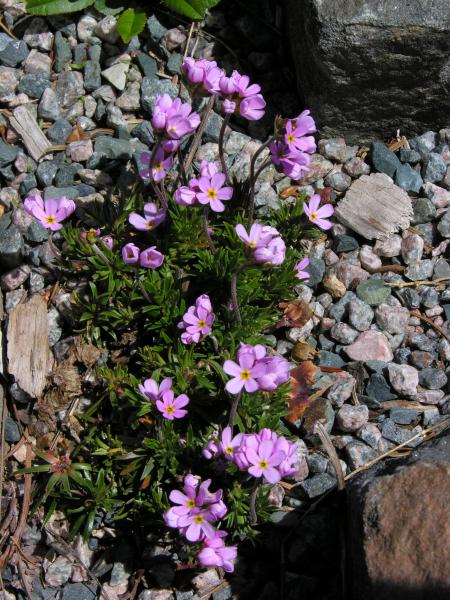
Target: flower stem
[(233, 411), (198, 134), (253, 177), (221, 152), (205, 229), (252, 506), (183, 175), (234, 297), (142, 288)]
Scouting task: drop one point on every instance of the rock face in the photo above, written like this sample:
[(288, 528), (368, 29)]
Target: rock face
[(399, 531), (359, 69)]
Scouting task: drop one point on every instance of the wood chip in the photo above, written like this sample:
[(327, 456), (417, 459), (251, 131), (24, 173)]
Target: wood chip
[(27, 127), (375, 207), (29, 358)]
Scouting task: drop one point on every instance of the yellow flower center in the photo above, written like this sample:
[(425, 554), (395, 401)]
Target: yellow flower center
[(252, 244), (198, 519), (158, 166), (201, 324), (291, 137), (50, 219), (190, 503), (150, 224), (313, 216), (245, 374), (229, 450), (170, 409), (263, 464), (211, 194)]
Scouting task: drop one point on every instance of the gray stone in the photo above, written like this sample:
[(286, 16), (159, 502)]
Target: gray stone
[(55, 193), (392, 319), (46, 171), (424, 211), (14, 53), (378, 388), (343, 333), (392, 432), (11, 247), (112, 148), (54, 326), (339, 181), (373, 292), (429, 296), (4, 40), (66, 174), (79, 591), (444, 225), (441, 268), (355, 167), (33, 85), (92, 75), (337, 150), (345, 243), (423, 269), (69, 88), (63, 52), (425, 143), (408, 179), (59, 131), (434, 168), (358, 454), (155, 28), (433, 379), (408, 155), (49, 106), (37, 281), (58, 572), (360, 315), (403, 416), (174, 63), (151, 89), (8, 153), (9, 80), (12, 433), (316, 270), (317, 485), (384, 160), (352, 50), (350, 417), (339, 310), (403, 378), (148, 65), (330, 359)]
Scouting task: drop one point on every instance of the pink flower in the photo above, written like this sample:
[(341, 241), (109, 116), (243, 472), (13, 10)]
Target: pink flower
[(211, 450), (130, 254), (212, 191), (208, 169), (173, 118), (108, 240), (296, 129), (317, 215), (304, 123), (302, 264), (241, 97), (265, 242), (292, 163), (288, 465), (216, 554), (151, 258), (244, 372), (161, 165), (263, 460), (49, 213), (152, 391), (229, 444), (203, 73), (196, 527), (151, 219), (276, 371), (197, 321), (256, 238), (172, 408), (273, 254), (252, 108)]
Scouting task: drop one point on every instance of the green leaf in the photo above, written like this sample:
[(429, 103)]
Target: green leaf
[(56, 7), (131, 23), (100, 5), (194, 9)]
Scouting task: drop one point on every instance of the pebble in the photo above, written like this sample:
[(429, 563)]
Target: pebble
[(370, 345), (392, 432), (430, 396), (11, 247), (403, 416), (424, 143), (439, 197), (360, 315), (85, 28), (383, 159), (79, 591), (80, 151), (355, 167), (351, 418), (433, 379), (358, 454), (408, 179), (412, 248), (318, 484), (12, 432), (423, 269), (424, 211), (58, 572), (112, 148), (333, 285), (434, 168), (316, 271), (389, 247), (14, 53), (343, 333), (403, 378), (15, 278), (378, 388), (151, 89), (338, 181), (373, 292), (408, 155), (370, 434), (392, 319), (206, 581), (9, 80), (38, 63)]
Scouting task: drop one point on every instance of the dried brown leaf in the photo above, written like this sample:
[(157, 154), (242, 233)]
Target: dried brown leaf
[(302, 377)]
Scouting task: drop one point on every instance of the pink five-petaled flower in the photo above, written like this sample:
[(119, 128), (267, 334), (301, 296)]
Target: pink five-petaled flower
[(151, 258), (151, 219), (272, 254), (229, 444), (130, 254), (160, 165), (216, 554), (212, 191), (170, 407), (293, 163), (317, 215), (203, 73), (276, 371), (197, 320), (49, 213), (245, 371), (241, 97), (296, 130), (265, 241), (173, 118), (264, 459), (257, 237), (108, 241), (152, 391), (300, 266)]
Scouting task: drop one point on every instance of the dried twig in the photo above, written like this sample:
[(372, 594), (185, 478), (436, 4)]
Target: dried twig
[(328, 445), (418, 314), (402, 284)]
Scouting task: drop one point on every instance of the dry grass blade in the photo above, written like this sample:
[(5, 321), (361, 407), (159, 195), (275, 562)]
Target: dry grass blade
[(417, 313), (328, 445), (402, 284)]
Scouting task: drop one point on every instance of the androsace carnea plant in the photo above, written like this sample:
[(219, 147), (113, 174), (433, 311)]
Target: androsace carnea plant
[(180, 284)]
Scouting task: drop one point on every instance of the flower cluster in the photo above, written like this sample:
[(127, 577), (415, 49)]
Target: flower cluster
[(150, 258), (265, 243), (237, 94), (164, 398), (197, 321), (291, 153), (49, 213), (208, 189), (255, 371), (194, 514), (263, 454)]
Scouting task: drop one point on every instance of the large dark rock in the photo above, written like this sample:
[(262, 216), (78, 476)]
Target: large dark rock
[(399, 527), (368, 67)]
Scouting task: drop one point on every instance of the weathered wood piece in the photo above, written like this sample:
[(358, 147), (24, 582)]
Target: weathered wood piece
[(375, 207), (29, 358), (27, 127)]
